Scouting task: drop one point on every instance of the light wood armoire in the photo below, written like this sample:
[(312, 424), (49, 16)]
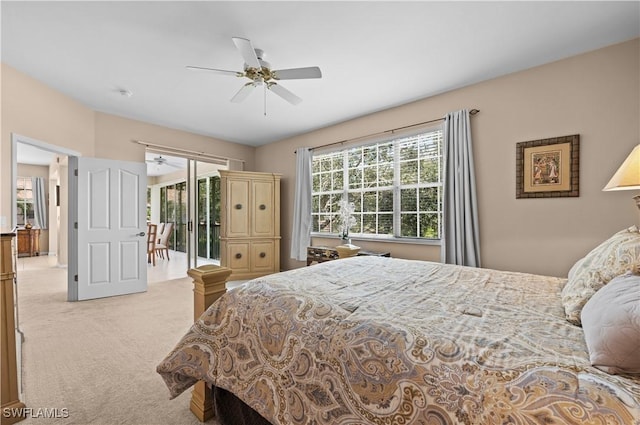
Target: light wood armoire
[(250, 223)]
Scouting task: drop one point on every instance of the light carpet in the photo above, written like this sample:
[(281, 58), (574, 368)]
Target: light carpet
[(97, 358)]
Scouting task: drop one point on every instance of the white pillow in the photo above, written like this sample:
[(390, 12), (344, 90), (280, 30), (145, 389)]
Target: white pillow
[(611, 323), (613, 257)]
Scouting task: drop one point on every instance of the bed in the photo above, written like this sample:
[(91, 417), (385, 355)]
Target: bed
[(371, 340)]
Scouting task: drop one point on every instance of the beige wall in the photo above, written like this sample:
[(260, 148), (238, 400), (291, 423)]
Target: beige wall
[(31, 109), (595, 95), (114, 136)]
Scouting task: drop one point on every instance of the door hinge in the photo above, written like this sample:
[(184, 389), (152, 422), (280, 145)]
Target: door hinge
[(75, 172), (75, 225), (75, 278)]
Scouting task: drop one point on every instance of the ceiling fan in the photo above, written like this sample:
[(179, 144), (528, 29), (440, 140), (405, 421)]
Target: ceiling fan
[(259, 72), (159, 160)]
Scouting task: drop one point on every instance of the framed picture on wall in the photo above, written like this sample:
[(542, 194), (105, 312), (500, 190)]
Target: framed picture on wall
[(548, 168)]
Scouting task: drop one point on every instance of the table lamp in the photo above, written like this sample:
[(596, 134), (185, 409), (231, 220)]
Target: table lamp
[(628, 175)]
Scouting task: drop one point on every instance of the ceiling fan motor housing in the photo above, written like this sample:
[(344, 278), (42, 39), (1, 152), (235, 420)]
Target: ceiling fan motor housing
[(259, 75), (259, 72)]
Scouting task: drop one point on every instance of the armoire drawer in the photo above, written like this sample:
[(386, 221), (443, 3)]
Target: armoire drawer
[(262, 256), (238, 258)]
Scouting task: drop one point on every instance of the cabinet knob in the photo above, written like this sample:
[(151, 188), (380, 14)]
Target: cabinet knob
[(238, 206), (238, 256), (262, 255), (262, 207)]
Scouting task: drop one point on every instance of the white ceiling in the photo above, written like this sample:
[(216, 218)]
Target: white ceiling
[(29, 154), (373, 55)]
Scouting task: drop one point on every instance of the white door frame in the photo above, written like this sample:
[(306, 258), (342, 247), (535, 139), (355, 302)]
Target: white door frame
[(15, 139)]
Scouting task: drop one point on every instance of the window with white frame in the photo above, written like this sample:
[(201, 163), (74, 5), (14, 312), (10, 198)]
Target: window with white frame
[(24, 199), (395, 185)]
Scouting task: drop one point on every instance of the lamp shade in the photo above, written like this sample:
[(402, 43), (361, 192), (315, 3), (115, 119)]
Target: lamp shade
[(628, 175)]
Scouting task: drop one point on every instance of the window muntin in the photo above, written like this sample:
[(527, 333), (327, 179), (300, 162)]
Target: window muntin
[(24, 200), (395, 185)]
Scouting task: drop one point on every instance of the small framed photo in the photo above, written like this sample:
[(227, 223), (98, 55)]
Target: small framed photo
[(548, 168)]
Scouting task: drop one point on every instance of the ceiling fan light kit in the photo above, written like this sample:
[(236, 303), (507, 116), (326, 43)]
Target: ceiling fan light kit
[(259, 72)]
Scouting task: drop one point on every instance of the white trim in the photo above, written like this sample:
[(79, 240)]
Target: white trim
[(390, 136), (396, 141), (15, 139), (390, 239)]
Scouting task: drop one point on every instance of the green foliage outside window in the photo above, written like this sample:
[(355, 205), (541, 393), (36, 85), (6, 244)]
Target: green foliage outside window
[(173, 208), (395, 186), (24, 201)]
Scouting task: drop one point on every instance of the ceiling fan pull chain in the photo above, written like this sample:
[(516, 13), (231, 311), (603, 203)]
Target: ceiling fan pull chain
[(265, 99)]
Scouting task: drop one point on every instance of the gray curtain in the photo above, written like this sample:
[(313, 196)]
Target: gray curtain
[(301, 232), (39, 202), (461, 236)]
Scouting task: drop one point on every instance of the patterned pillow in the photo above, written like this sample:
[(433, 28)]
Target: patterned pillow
[(615, 256), (611, 323)]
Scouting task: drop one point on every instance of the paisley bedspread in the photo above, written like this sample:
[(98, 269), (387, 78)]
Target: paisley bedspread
[(370, 340)]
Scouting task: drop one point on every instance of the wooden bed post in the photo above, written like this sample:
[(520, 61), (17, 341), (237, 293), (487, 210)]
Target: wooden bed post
[(208, 285)]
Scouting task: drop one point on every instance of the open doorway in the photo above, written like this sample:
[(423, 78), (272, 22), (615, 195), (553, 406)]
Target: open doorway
[(184, 196), (39, 193), (39, 198)]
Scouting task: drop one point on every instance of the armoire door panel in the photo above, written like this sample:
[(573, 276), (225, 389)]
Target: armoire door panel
[(262, 217), (238, 208)]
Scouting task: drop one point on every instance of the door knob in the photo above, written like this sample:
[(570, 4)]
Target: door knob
[(141, 234)]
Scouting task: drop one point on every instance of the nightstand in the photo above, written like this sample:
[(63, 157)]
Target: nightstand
[(321, 254)]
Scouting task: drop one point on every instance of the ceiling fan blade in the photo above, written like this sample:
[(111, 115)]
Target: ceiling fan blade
[(297, 73), (284, 93), (217, 71), (243, 93), (247, 52)]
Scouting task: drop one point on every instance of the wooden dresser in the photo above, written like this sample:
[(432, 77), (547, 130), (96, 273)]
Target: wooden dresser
[(28, 242), (9, 391), (250, 223)]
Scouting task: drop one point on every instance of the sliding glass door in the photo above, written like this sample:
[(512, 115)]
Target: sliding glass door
[(173, 209), (208, 210), (190, 199)]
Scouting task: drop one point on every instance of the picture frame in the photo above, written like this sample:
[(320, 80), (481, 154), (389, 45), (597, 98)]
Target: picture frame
[(548, 168)]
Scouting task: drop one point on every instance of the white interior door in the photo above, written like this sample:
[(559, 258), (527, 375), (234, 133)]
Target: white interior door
[(107, 228)]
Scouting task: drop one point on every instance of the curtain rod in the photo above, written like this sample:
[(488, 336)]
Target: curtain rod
[(471, 112), (178, 151)]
